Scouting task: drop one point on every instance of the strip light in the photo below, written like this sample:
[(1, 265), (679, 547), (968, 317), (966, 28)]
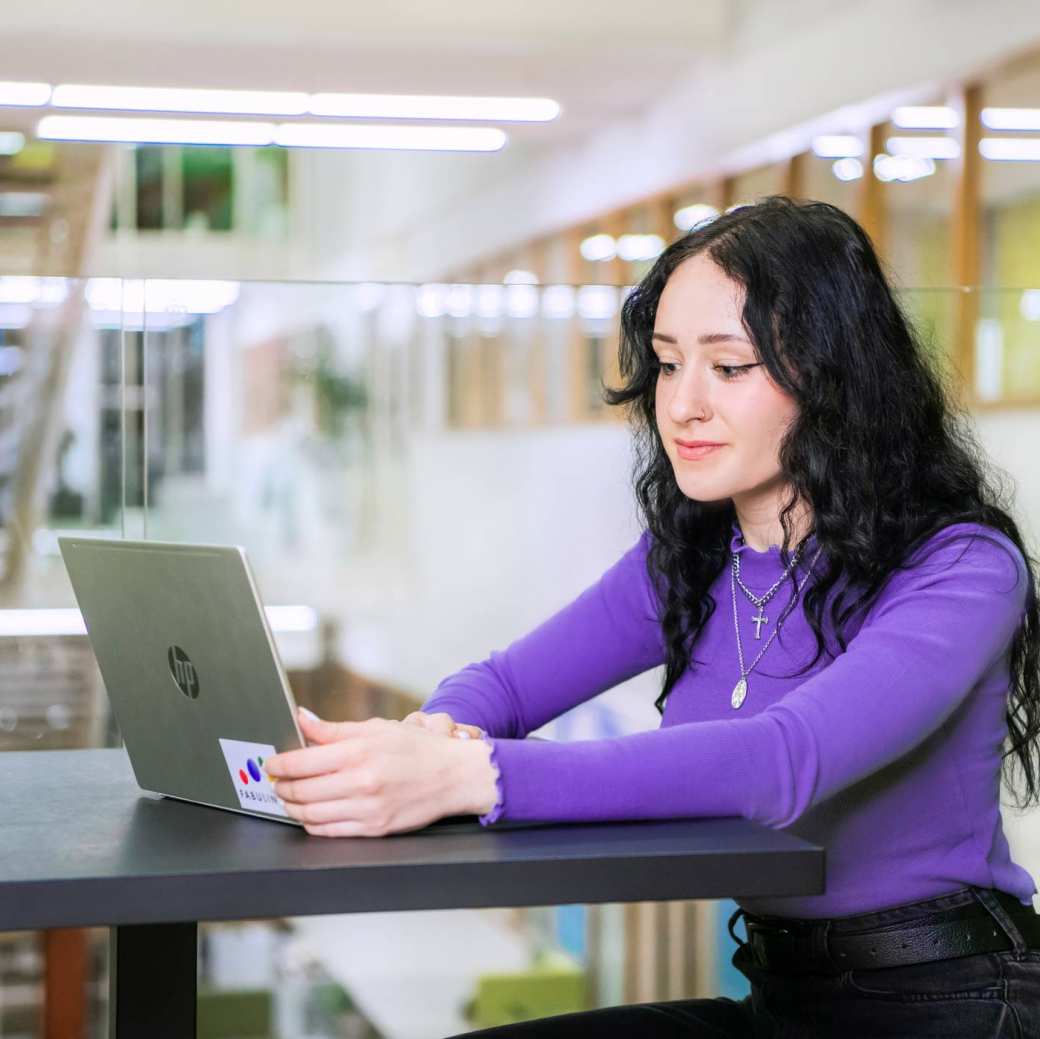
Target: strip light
[(1011, 118), (1010, 149), (28, 95), (281, 102), (598, 248), (847, 169), (417, 106), (425, 138), (687, 218), (153, 131), (924, 147), (925, 117), (56, 622), (173, 99), (837, 146), (289, 135), (903, 168)]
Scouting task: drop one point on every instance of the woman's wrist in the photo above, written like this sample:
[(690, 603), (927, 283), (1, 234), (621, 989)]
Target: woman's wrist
[(475, 785)]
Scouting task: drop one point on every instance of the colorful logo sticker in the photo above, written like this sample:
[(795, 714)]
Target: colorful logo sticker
[(245, 762)]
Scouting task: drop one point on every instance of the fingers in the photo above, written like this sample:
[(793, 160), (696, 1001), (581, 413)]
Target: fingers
[(311, 761), (327, 787), (441, 722), (319, 731), (346, 810)]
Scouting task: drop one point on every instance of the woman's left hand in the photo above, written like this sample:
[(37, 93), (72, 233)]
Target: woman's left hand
[(377, 777)]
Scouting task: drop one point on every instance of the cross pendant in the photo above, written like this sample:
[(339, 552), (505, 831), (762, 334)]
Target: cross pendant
[(758, 620)]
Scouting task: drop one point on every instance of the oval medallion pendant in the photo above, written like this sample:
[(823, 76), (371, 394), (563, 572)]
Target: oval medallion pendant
[(739, 692)]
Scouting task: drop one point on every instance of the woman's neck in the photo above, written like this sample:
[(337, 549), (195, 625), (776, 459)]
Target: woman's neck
[(762, 529)]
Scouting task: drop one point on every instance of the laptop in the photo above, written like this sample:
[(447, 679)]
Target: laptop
[(191, 670)]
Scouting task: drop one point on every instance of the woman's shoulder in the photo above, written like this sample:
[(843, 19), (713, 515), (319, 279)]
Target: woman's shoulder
[(970, 552), (978, 543)]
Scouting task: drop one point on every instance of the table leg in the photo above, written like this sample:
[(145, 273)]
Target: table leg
[(65, 984), (153, 981)]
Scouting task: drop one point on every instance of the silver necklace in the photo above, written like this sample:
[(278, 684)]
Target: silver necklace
[(741, 688), (760, 600)]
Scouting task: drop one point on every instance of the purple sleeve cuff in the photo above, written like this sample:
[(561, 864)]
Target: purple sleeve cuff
[(493, 816)]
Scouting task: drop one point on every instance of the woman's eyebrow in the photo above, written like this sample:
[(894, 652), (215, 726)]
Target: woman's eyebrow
[(705, 340)]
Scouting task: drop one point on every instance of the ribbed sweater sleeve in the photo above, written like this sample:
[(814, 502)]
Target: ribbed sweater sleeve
[(607, 634), (935, 630)]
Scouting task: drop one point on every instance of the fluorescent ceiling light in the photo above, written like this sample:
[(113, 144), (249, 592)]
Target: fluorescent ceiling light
[(687, 218), (29, 95), (289, 135), (420, 138), (598, 247), (925, 117), (640, 246), (902, 167), (1011, 118), (417, 106), (837, 146), (175, 99), (847, 169), (924, 147), (11, 142), (1010, 149), (153, 131), (56, 622), (275, 103)]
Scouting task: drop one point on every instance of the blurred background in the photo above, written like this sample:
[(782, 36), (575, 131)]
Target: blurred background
[(341, 284)]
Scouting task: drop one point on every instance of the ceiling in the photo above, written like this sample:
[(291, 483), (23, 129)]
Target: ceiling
[(601, 60)]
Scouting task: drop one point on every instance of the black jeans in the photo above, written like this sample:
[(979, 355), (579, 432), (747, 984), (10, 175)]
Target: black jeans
[(979, 996)]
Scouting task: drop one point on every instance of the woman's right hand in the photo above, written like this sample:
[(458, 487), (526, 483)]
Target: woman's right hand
[(442, 723)]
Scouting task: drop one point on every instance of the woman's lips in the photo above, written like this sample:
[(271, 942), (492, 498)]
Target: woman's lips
[(693, 453)]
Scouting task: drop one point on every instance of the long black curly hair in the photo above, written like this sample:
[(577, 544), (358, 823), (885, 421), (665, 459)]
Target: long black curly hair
[(880, 448)]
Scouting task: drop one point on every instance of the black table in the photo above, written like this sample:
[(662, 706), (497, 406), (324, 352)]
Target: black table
[(83, 846)]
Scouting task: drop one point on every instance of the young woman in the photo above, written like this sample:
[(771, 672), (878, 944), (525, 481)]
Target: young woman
[(850, 631)]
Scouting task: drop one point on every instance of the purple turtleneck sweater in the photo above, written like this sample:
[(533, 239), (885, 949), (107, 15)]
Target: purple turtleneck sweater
[(887, 755)]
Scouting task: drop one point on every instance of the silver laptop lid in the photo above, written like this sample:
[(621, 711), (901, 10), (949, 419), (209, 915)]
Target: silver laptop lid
[(189, 664)]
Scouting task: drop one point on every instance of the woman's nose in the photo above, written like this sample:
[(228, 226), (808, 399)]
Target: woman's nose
[(687, 401)]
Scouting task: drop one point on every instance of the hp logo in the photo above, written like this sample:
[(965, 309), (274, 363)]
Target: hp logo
[(183, 671)]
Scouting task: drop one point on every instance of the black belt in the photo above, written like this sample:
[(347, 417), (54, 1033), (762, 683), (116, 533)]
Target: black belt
[(801, 946)]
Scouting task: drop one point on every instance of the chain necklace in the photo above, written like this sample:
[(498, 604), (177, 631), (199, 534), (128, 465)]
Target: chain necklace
[(741, 688), (760, 600)]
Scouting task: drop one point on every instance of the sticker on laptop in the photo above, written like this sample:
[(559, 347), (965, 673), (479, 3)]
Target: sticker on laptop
[(245, 762)]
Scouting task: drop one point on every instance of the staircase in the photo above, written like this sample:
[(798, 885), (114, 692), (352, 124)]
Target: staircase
[(70, 198)]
